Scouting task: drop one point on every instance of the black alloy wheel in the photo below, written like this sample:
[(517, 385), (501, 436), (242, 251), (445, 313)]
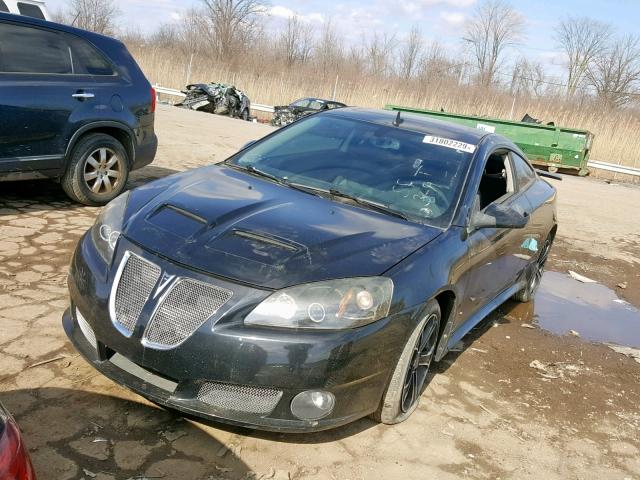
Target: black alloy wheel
[(423, 353)]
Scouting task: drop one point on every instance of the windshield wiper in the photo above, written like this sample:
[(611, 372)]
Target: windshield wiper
[(380, 207), (281, 181), (262, 173)]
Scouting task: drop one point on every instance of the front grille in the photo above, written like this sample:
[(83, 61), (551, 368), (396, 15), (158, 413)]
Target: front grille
[(133, 285), (239, 398), (185, 308)]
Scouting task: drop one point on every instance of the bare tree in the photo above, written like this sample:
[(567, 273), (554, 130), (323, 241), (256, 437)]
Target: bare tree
[(582, 39), (378, 51), (615, 72), (329, 53), (494, 27), (232, 24), (528, 78), (295, 42), (96, 15), (411, 53), (165, 36), (190, 30)]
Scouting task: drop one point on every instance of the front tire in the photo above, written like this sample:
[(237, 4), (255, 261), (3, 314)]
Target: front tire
[(98, 170), (409, 378)]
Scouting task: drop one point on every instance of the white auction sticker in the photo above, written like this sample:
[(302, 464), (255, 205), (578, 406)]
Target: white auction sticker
[(448, 143)]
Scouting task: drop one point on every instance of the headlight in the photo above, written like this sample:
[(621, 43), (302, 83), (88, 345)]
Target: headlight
[(334, 304), (106, 231)]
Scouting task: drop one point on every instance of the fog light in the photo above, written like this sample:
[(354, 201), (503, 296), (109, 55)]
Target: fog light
[(86, 329), (313, 404)]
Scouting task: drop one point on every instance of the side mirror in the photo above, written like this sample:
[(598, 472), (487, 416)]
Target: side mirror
[(499, 216), (248, 144)]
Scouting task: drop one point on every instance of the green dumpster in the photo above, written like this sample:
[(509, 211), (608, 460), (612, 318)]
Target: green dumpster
[(545, 145)]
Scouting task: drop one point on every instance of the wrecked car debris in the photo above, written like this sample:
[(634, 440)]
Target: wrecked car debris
[(218, 98), (286, 114)]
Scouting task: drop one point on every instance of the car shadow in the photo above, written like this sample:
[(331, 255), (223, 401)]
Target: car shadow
[(67, 429), (497, 317), (41, 195), (148, 174), (325, 436), (35, 196)]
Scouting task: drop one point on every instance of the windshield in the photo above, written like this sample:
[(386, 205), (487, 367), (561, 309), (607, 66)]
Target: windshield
[(407, 172)]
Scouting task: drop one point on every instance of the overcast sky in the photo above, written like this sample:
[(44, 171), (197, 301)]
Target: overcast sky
[(439, 19)]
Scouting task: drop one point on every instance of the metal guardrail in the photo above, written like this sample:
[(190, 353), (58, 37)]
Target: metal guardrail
[(610, 167), (177, 93)]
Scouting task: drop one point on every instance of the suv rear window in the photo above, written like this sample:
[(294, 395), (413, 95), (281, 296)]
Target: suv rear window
[(87, 60), (29, 10), (33, 50)]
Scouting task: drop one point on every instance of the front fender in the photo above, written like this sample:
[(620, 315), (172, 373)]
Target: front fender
[(432, 270)]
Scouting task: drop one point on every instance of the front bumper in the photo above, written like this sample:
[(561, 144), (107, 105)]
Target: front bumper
[(354, 365)]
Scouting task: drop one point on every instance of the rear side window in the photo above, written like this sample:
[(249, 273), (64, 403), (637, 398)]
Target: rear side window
[(33, 50), (524, 173), (87, 60), (303, 103), (3, 7), (29, 10)]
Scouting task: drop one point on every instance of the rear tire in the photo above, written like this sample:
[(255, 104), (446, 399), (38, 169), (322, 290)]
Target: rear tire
[(402, 395), (534, 272), (98, 170)]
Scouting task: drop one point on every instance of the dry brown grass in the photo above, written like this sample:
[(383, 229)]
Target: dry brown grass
[(617, 132)]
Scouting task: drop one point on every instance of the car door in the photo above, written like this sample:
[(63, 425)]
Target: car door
[(542, 210), (495, 257), (47, 90)]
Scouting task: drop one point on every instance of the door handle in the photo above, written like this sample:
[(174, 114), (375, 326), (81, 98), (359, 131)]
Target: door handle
[(83, 95)]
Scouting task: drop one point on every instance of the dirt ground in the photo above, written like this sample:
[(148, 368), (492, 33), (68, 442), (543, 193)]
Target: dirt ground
[(514, 402)]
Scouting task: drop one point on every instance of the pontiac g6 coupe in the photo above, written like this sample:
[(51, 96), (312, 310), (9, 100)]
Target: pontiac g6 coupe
[(312, 278)]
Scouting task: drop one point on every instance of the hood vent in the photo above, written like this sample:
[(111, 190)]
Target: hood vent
[(258, 237)]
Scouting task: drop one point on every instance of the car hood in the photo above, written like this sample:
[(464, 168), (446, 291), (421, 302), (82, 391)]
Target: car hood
[(232, 224)]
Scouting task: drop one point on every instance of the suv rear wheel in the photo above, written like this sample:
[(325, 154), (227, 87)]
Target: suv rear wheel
[(98, 170)]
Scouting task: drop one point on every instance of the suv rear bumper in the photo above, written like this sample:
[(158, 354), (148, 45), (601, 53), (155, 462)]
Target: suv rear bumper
[(145, 152)]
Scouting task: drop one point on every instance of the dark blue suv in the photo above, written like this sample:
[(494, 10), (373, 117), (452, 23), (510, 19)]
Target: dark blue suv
[(74, 106)]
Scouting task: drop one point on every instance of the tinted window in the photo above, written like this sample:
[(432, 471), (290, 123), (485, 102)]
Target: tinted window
[(3, 7), (378, 163), (301, 103), (86, 59), (524, 172), (30, 10), (32, 50), (317, 105)]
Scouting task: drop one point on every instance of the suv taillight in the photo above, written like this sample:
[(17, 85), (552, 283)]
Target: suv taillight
[(153, 100), (14, 459)]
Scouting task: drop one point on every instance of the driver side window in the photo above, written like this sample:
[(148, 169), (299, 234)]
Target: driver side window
[(497, 182)]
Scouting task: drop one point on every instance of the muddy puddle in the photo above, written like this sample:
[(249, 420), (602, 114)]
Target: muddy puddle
[(563, 305)]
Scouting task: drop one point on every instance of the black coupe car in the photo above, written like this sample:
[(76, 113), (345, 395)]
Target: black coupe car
[(313, 277), (286, 114)]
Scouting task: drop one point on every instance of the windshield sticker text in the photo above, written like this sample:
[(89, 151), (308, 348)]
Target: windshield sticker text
[(448, 143)]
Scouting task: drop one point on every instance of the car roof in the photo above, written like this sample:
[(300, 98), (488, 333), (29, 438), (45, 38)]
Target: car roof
[(413, 122), (318, 99), (35, 22)]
